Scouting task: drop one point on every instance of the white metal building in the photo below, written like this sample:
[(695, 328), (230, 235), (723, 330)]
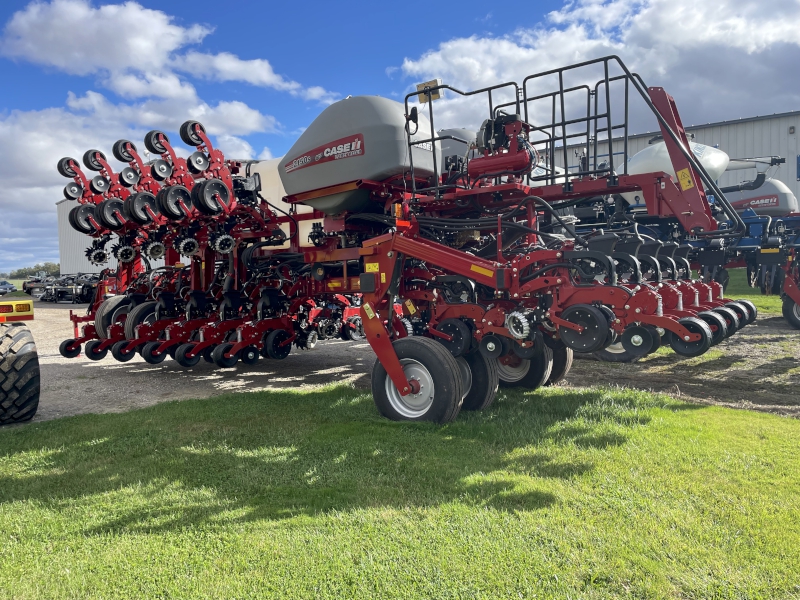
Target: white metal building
[(771, 135)]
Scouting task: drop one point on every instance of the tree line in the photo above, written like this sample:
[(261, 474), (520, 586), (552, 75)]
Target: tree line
[(49, 268)]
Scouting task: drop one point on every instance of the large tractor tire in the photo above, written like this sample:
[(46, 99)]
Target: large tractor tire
[(19, 374), (791, 312)]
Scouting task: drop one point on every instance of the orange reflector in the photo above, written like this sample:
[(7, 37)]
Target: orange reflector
[(22, 307)]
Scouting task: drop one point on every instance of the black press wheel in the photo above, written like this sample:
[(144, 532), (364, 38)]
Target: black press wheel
[(135, 207), (149, 353), (189, 135), (595, 328), (225, 362), (716, 323), (93, 350), (750, 307), (109, 212), (741, 311), (69, 352), (460, 334), (140, 314), (154, 141), (187, 361), (275, 345), (105, 313), (791, 312), (731, 318), (207, 195), (169, 201), (79, 218), (686, 348), (249, 355), (90, 160), (529, 374), (66, 167), (122, 150), (638, 340), (119, 353), (19, 374), (562, 363), (437, 375), (485, 381)]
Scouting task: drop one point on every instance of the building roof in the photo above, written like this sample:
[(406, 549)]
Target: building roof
[(793, 113)]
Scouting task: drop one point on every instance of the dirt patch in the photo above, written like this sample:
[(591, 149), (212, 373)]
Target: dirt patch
[(758, 368)]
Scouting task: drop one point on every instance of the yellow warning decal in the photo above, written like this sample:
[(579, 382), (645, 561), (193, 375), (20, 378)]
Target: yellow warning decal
[(334, 284), (481, 270), (369, 311), (685, 179), (372, 267), (383, 277), (770, 250), (410, 306)]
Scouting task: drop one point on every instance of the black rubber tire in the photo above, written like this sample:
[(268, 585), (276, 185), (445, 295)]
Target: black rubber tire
[(717, 323), (64, 168), (107, 213), (485, 382), (538, 371), (204, 199), (102, 318), (694, 325), (72, 191), (167, 201), (121, 153), (188, 135), (182, 359), (791, 312), (751, 307), (91, 162), (19, 374), (249, 355), (62, 349), (93, 354), (444, 374), (152, 143), (741, 311), (138, 315), (119, 355), (271, 344), (218, 355), (562, 363), (149, 357), (135, 205), (731, 318)]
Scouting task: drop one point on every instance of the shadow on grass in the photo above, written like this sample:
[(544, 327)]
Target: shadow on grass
[(274, 455)]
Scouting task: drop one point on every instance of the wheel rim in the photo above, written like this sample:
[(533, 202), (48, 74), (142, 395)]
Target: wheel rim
[(412, 405), (513, 373), (616, 348), (466, 375), (796, 311)]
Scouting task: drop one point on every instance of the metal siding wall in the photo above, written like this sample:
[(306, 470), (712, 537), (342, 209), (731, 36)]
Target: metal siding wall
[(751, 139), (72, 245)]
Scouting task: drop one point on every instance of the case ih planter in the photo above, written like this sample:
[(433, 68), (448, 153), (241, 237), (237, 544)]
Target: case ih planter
[(446, 252)]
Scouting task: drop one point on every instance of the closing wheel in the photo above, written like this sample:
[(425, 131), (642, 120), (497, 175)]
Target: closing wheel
[(750, 307), (353, 329), (181, 355), (615, 353), (189, 135), (121, 152), (696, 348), (160, 169), (791, 312), (731, 318), (149, 355), (128, 177), (93, 352), (79, 218), (274, 344), (19, 374), (117, 351), (153, 143), (249, 355), (108, 213), (66, 167), (218, 355), (135, 207), (428, 365), (460, 334), (485, 381), (90, 160), (208, 194), (99, 185), (562, 363), (637, 340), (595, 328), (66, 352), (741, 311), (529, 374), (716, 323), (197, 162), (169, 201), (72, 191)]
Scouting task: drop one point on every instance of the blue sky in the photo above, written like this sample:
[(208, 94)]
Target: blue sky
[(84, 73)]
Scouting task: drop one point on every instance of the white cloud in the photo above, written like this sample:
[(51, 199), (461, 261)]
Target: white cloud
[(266, 154), (719, 58), (235, 147)]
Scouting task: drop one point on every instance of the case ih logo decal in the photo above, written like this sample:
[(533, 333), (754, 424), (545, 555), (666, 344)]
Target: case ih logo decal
[(344, 148), (763, 202)]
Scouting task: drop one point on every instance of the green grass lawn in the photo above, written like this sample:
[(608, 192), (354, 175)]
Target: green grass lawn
[(592, 494), (738, 288)]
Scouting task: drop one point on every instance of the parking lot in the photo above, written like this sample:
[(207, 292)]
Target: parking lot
[(758, 368)]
